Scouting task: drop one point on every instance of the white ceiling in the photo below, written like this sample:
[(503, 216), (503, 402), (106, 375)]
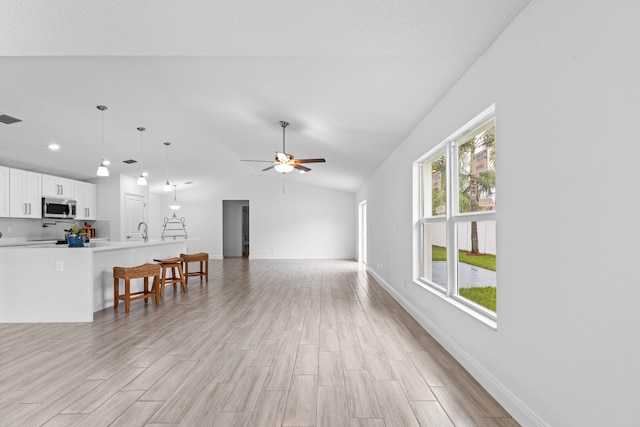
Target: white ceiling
[(214, 78)]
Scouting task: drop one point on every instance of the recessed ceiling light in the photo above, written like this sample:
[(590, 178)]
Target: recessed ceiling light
[(189, 182), (54, 147)]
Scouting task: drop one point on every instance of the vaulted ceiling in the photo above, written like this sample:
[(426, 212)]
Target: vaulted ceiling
[(214, 78)]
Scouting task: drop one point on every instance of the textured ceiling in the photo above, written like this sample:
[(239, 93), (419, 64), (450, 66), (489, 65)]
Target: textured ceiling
[(215, 78)]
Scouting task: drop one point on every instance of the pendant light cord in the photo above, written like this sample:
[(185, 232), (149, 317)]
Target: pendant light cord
[(102, 144), (141, 129)]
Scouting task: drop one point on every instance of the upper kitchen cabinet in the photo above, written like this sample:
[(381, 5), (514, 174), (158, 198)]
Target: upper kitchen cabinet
[(54, 186), (25, 194), (86, 200), (4, 191)]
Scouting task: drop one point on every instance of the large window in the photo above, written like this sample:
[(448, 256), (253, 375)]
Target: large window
[(457, 190)]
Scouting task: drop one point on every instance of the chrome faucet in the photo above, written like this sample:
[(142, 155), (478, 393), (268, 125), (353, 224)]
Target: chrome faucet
[(145, 236)]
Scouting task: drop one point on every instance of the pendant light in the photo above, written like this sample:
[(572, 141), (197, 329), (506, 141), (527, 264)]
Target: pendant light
[(102, 169), (167, 186), (141, 179), (174, 206)]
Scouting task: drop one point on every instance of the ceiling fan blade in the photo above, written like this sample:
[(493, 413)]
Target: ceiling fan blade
[(301, 168), (309, 161), (269, 168), (263, 161)]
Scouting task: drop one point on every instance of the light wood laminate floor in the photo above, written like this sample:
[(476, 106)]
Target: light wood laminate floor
[(264, 343)]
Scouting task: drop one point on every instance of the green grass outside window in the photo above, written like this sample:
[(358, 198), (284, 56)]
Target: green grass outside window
[(483, 296)]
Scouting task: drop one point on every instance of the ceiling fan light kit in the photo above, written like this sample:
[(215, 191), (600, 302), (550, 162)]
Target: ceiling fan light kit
[(284, 162), (283, 167)]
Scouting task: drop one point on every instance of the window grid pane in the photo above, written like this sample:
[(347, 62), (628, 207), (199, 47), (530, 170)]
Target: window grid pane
[(476, 169), (477, 262), (434, 174), (434, 253)]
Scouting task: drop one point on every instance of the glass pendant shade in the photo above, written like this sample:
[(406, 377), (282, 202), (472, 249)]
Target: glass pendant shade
[(142, 180), (102, 169), (167, 186), (284, 167)]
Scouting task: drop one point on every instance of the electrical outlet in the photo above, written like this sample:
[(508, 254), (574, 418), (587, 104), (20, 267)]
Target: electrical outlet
[(59, 266)]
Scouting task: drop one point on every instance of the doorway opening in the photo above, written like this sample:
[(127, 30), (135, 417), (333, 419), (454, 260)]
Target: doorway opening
[(362, 232), (235, 228)]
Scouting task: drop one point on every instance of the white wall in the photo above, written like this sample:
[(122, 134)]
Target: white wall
[(565, 80), (303, 222), (109, 204), (111, 196)]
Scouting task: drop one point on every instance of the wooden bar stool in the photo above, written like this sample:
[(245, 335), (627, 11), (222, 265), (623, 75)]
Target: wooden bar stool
[(172, 264), (203, 259), (127, 273)]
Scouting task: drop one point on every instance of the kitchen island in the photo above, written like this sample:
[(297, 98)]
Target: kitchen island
[(56, 283)]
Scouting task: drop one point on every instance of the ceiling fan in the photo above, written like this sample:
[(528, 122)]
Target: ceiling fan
[(284, 162)]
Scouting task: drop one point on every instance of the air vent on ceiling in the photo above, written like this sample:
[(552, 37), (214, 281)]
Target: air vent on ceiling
[(130, 161), (7, 119)]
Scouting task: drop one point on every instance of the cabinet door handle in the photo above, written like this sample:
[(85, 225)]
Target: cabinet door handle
[(25, 208), (29, 208)]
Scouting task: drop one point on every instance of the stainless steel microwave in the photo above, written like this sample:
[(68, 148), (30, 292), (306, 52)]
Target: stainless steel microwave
[(58, 208)]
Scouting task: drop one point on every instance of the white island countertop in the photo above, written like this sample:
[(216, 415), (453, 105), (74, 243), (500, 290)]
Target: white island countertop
[(100, 245), (56, 283)]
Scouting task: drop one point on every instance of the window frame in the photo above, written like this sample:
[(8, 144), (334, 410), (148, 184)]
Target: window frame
[(451, 218)]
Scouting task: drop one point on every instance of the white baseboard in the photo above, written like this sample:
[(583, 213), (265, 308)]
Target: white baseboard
[(516, 407)]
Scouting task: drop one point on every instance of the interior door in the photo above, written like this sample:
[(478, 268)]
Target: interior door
[(362, 241), (134, 213)]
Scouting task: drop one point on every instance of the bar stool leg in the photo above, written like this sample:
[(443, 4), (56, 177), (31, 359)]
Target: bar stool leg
[(146, 290), (182, 278), (127, 295), (156, 285), (116, 293), (163, 276), (173, 279)]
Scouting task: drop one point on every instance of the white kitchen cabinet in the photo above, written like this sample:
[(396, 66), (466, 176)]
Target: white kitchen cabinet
[(25, 194), (4, 191), (55, 186), (86, 195)]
